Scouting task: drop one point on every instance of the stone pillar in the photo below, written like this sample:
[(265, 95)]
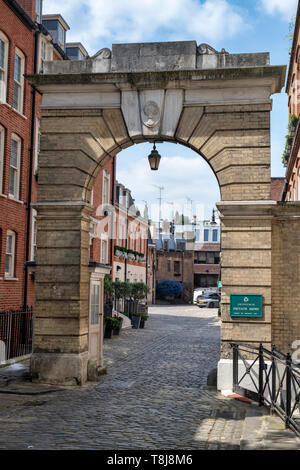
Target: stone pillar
[(246, 269), (60, 353)]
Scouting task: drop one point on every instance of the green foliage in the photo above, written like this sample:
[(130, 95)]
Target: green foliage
[(108, 286), (112, 322)]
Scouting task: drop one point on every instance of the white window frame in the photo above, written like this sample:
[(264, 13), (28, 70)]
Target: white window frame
[(37, 145), (17, 169), (4, 70), (61, 43), (104, 242), (33, 235), (106, 197), (19, 84), (11, 273), (38, 10), (94, 305), (2, 140), (208, 237)]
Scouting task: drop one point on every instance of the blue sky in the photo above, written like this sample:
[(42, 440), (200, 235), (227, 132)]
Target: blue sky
[(238, 26)]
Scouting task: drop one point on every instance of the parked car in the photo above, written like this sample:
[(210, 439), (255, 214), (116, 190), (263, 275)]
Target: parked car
[(197, 292), (209, 300)]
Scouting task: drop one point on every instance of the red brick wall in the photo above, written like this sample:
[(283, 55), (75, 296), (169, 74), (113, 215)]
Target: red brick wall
[(13, 215)]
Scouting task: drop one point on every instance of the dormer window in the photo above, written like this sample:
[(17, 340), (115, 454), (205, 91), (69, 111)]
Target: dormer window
[(38, 10), (60, 36)]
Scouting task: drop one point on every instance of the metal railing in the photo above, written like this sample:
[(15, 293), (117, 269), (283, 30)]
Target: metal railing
[(16, 333), (270, 378)]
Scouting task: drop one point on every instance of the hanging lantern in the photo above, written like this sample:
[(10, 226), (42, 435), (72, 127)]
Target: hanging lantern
[(154, 159)]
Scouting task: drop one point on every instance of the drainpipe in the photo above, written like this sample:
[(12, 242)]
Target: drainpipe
[(31, 156)]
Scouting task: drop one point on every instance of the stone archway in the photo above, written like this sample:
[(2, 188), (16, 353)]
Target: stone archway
[(218, 104)]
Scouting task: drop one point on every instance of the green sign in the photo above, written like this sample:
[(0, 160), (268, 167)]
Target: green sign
[(246, 305)]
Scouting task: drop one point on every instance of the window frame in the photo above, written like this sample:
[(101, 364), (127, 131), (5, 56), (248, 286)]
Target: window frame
[(37, 145), (104, 242), (2, 143), (3, 88), (17, 139), (106, 177), (33, 235), (20, 84), (10, 274)]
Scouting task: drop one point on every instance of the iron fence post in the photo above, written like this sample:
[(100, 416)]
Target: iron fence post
[(235, 365), (261, 375), (273, 391), (288, 404)]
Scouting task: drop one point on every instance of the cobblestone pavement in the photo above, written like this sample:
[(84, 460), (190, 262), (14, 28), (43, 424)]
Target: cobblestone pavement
[(153, 396)]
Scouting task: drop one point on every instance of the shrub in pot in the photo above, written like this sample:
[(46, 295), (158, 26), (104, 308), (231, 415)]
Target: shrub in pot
[(144, 318), (117, 325), (109, 324)]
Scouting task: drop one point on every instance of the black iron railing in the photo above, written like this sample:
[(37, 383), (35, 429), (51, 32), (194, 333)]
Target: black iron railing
[(16, 332), (270, 378)]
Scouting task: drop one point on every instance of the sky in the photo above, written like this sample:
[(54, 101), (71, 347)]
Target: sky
[(239, 26)]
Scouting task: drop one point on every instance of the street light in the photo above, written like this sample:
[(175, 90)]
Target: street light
[(154, 158)]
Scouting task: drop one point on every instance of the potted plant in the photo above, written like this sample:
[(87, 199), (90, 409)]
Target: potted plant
[(108, 296), (117, 324), (139, 291), (144, 318), (109, 324)]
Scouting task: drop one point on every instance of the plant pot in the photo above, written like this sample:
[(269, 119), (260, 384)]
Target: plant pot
[(116, 331), (107, 331), (142, 323), (135, 321)]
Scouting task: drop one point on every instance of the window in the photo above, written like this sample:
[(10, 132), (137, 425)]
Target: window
[(14, 169), (176, 267), (43, 47), (105, 191), (37, 145), (10, 254), (3, 66), (38, 10), (169, 266), (215, 235), (104, 246), (2, 135), (95, 298), (33, 236), (19, 81), (60, 36), (206, 235)]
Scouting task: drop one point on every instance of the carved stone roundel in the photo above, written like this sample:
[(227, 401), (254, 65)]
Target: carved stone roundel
[(151, 112)]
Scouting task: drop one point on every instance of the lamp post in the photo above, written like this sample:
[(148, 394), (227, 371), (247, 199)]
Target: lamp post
[(154, 158)]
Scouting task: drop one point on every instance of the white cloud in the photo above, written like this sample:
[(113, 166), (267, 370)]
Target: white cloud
[(286, 8), (98, 23), (181, 176)]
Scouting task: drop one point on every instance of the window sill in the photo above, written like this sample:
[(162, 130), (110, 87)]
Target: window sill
[(19, 113), (3, 195), (11, 198), (13, 109), (7, 278)]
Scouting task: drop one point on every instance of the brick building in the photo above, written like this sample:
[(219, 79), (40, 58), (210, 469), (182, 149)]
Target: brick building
[(25, 43), (207, 253), (291, 155), (131, 234), (175, 263)]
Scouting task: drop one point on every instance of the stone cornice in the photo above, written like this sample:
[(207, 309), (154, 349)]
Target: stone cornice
[(168, 79)]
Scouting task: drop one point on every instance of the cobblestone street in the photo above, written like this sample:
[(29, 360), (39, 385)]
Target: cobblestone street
[(153, 396)]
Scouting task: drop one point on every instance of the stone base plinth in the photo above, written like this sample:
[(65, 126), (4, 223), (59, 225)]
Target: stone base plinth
[(225, 374), (95, 371), (59, 369)]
